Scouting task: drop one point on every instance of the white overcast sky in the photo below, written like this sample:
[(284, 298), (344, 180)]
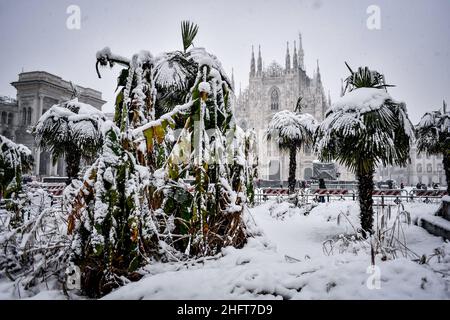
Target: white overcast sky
[(412, 48)]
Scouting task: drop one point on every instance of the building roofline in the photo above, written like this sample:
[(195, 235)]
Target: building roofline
[(46, 77)]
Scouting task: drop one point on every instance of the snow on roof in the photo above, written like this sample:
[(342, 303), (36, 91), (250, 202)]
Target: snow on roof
[(7, 99)]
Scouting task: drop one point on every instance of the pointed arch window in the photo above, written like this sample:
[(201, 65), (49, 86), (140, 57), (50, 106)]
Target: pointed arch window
[(274, 99), (10, 118), (24, 116), (29, 116)]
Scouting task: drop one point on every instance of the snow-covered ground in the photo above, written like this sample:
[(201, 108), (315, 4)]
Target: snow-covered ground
[(287, 260)]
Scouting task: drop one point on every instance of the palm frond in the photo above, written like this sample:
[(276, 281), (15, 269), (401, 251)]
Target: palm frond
[(364, 78), (188, 32)]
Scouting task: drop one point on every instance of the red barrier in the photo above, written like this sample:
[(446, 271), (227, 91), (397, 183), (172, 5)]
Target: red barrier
[(331, 191), (388, 192), (430, 193), (55, 189), (275, 191)]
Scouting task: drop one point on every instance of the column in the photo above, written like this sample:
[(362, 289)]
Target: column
[(48, 167), (37, 160), (40, 107), (53, 168)]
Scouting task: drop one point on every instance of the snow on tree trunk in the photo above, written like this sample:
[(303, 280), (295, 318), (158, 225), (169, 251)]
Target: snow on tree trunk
[(365, 189), (73, 159), (292, 169)]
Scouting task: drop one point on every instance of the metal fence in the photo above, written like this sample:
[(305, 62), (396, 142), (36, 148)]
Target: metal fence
[(381, 197)]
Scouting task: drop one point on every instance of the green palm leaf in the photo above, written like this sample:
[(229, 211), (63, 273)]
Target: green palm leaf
[(188, 32)]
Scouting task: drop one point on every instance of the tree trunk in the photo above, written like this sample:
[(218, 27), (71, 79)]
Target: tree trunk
[(73, 165), (446, 164), (292, 169), (365, 189)]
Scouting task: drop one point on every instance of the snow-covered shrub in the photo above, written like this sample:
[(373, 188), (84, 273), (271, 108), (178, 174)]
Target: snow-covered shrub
[(172, 176), (387, 242), (36, 250)]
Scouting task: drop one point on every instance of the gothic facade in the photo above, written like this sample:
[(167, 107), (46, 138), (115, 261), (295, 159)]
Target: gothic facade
[(275, 88), (37, 91)]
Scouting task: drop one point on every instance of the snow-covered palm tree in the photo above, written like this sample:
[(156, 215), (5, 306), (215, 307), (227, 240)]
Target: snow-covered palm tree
[(291, 131), (173, 73), (71, 129), (362, 129), (433, 137)]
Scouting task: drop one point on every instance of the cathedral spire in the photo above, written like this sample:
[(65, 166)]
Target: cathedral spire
[(288, 58), (252, 64), (294, 59), (318, 72), (232, 79), (259, 73), (300, 52)]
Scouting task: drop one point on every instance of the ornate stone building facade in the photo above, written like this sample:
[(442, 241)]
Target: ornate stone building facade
[(37, 91), (277, 88), (423, 168)]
